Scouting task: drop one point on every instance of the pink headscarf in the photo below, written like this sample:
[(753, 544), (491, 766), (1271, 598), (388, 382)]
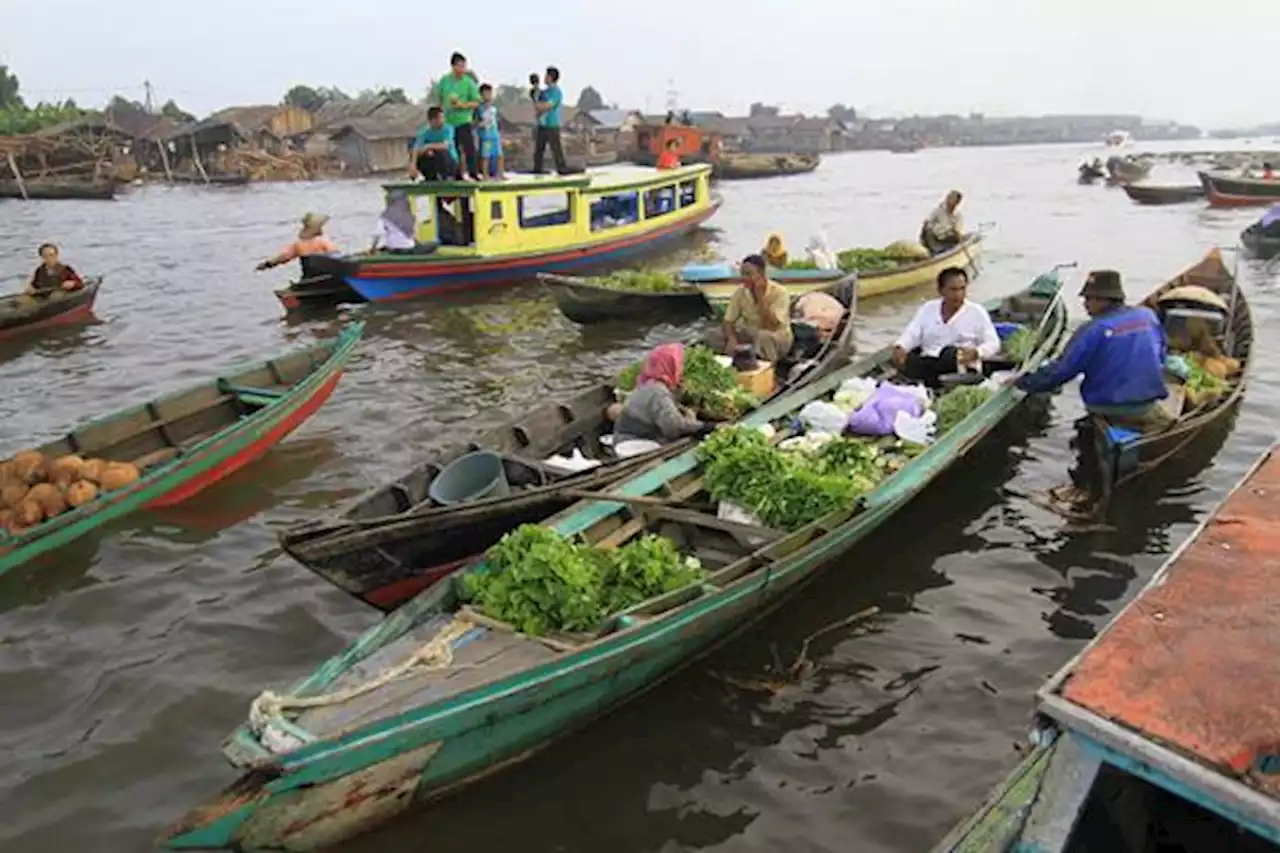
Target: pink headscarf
[(665, 364)]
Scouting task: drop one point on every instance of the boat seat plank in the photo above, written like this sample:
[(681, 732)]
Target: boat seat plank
[(637, 525), (480, 656)]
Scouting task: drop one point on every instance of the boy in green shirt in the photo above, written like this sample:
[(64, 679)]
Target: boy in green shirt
[(459, 95)]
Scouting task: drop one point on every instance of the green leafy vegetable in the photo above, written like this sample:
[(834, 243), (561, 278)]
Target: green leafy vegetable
[(539, 581), (709, 387), (866, 260), (954, 406), (627, 378), (1019, 345), (646, 281)]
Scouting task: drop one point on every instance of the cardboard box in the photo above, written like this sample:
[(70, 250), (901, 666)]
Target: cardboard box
[(758, 381)]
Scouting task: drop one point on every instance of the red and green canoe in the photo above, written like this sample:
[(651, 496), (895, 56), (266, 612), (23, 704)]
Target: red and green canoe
[(184, 442)]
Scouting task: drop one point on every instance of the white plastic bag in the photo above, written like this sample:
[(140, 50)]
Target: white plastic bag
[(920, 391), (823, 258), (916, 430), (824, 417), (570, 464)]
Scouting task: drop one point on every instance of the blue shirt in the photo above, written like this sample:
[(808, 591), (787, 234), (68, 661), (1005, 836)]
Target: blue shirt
[(1121, 355), (488, 123), (553, 96), (428, 135)]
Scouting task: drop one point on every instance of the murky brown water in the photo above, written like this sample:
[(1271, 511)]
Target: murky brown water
[(125, 662)]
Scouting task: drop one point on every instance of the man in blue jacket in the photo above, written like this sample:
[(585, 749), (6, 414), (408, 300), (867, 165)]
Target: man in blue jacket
[(1121, 353)]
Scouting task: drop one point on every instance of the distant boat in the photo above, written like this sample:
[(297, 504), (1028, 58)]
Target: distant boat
[(1118, 138)]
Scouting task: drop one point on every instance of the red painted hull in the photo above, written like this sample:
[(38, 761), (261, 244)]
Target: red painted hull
[(1221, 199), (393, 595), (251, 453), (75, 317)]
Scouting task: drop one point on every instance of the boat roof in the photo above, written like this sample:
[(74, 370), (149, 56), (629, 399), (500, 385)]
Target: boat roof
[(1179, 688), (619, 177)]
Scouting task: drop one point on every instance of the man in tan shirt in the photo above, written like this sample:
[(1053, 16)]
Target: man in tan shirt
[(759, 314)]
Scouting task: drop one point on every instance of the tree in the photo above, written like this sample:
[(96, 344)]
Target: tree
[(9, 88), (758, 109), (590, 99), (508, 95), (840, 112), (171, 110), (304, 97), (332, 94), (390, 96)]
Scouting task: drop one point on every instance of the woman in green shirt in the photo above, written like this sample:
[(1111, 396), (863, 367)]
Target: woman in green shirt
[(459, 96)]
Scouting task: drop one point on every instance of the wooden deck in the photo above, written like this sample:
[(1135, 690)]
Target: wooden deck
[(1188, 668)]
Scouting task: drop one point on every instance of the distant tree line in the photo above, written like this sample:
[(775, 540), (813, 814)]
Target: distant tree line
[(17, 117), (313, 98)]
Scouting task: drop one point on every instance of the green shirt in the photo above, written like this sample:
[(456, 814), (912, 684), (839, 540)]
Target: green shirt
[(464, 89)]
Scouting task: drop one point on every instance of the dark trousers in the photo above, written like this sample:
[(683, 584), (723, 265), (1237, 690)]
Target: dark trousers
[(927, 368), (465, 137), (548, 136), (436, 166)]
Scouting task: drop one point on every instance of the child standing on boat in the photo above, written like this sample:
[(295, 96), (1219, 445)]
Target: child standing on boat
[(491, 163)]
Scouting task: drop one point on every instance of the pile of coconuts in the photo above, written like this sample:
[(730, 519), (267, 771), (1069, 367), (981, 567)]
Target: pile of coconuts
[(34, 487)]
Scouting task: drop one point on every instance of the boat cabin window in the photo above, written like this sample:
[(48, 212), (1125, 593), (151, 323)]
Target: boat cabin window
[(688, 193), (706, 146), (642, 140), (457, 221), (495, 210), (659, 201), (610, 211), (541, 211)]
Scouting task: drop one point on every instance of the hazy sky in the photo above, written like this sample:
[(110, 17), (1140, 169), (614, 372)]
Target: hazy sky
[(1209, 63)]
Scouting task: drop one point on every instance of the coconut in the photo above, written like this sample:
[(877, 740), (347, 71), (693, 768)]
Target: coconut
[(118, 475), (6, 471), (49, 497), (81, 492), (70, 463), (31, 467), (1215, 367), (6, 520), (12, 494), (28, 513), (93, 469)]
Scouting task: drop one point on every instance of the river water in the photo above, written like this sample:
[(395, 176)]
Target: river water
[(125, 661)]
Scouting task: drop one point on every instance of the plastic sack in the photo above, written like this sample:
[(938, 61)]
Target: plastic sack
[(807, 443), (822, 416), (852, 393), (571, 464), (915, 430), (876, 416), (822, 256)]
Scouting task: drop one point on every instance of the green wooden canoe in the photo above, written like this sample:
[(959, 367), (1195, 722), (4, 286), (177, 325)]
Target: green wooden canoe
[(186, 441), (317, 775)]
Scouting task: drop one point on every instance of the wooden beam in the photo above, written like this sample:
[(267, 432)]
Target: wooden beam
[(22, 186), (164, 159), (195, 155)]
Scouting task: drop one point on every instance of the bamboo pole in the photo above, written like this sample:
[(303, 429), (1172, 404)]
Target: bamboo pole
[(22, 185), (195, 155), (164, 160)]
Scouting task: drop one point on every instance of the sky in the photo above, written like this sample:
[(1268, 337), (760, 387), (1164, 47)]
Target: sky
[(1205, 63)]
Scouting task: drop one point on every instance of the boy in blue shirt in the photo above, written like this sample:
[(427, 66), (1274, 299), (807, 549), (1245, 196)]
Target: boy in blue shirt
[(491, 161), (434, 155), (548, 134)]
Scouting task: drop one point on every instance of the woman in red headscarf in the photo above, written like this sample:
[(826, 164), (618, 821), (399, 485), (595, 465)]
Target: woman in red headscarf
[(652, 411)]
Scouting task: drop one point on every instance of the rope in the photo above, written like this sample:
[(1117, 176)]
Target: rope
[(437, 653)]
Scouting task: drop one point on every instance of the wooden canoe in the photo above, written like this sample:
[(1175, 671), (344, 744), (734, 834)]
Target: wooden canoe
[(585, 302), (392, 542), (1227, 191), (1123, 455), (738, 167), (1123, 170), (490, 697), (22, 315), (51, 190), (1088, 174), (1260, 245), (211, 181), (186, 441), (1154, 194), (323, 285), (720, 281)]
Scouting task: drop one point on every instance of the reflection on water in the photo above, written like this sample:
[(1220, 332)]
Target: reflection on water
[(135, 651)]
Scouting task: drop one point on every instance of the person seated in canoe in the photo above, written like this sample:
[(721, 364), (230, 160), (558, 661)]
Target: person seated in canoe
[(1267, 173), (774, 253), (311, 242), (396, 225), (1269, 224), (1121, 352), (943, 229), (948, 334), (52, 275), (434, 156), (759, 313), (670, 156), (652, 412)]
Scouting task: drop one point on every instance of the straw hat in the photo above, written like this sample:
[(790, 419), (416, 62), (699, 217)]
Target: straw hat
[(313, 224)]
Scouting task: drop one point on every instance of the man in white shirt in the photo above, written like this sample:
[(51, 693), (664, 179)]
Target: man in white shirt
[(946, 335)]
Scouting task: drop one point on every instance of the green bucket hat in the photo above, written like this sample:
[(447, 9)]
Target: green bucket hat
[(1104, 284)]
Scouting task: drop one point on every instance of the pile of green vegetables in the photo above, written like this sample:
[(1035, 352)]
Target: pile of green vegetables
[(641, 280), (787, 490), (869, 260), (1202, 383), (540, 582), (1019, 345), (708, 387), (954, 406)]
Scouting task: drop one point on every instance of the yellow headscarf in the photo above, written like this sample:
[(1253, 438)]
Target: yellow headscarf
[(774, 253)]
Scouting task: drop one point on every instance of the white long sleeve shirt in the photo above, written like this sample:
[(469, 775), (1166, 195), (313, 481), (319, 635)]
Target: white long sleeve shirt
[(969, 327), (389, 236)]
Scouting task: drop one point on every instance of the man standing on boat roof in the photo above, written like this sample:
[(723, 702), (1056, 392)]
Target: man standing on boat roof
[(547, 106), (1121, 352), (459, 95), (943, 229)]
